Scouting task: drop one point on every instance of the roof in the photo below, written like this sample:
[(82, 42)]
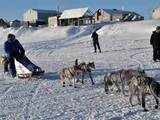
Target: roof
[(46, 11), (75, 13), (115, 11), (3, 20), (16, 20), (157, 8)]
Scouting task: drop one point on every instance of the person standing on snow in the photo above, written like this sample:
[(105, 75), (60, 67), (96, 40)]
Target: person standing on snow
[(155, 42), (14, 50), (95, 41)]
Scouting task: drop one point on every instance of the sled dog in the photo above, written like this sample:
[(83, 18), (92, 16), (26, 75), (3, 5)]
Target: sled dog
[(86, 68), (69, 75), (120, 79), (141, 86)]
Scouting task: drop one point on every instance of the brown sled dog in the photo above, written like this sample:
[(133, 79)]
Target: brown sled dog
[(120, 79), (141, 86), (84, 69), (69, 75)]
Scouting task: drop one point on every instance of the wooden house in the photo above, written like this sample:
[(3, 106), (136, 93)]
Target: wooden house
[(38, 17), (104, 15), (76, 17)]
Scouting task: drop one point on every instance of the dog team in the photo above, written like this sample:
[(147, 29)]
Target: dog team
[(137, 81)]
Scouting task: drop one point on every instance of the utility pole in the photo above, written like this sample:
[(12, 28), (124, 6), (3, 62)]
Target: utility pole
[(58, 8), (58, 5), (122, 8)]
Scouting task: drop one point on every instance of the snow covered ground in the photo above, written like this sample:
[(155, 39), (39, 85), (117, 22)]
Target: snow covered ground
[(124, 45)]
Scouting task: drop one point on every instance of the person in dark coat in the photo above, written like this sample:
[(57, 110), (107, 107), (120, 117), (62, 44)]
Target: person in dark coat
[(95, 42), (155, 42), (9, 55), (14, 50)]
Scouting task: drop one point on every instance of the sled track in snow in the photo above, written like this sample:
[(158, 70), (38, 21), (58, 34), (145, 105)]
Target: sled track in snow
[(6, 91), (4, 97), (10, 86), (132, 57), (140, 65), (26, 107), (13, 96)]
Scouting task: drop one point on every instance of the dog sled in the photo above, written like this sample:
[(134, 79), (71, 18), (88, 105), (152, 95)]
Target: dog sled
[(24, 73)]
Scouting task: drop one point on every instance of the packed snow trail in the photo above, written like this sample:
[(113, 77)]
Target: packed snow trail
[(84, 102), (124, 45)]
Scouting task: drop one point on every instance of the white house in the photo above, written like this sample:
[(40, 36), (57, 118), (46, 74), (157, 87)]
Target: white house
[(53, 21), (156, 13), (39, 16), (79, 16)]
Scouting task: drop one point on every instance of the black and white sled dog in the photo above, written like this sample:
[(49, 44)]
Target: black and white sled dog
[(70, 74), (141, 86), (120, 78)]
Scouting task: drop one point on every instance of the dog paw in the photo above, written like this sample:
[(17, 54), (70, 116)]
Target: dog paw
[(77, 81), (145, 110), (118, 91), (132, 105)]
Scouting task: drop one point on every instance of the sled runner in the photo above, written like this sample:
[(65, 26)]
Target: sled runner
[(24, 73)]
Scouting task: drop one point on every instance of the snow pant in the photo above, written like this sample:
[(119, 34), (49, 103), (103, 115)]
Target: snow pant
[(12, 69), (23, 60), (156, 53), (27, 63), (96, 45)]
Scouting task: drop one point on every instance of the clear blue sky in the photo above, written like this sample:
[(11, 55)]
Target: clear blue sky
[(14, 9)]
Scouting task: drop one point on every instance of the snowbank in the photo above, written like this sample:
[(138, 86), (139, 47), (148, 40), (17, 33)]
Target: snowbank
[(139, 27), (26, 35)]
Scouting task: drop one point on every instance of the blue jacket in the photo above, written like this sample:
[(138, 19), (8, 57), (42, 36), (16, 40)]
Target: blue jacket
[(13, 48)]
